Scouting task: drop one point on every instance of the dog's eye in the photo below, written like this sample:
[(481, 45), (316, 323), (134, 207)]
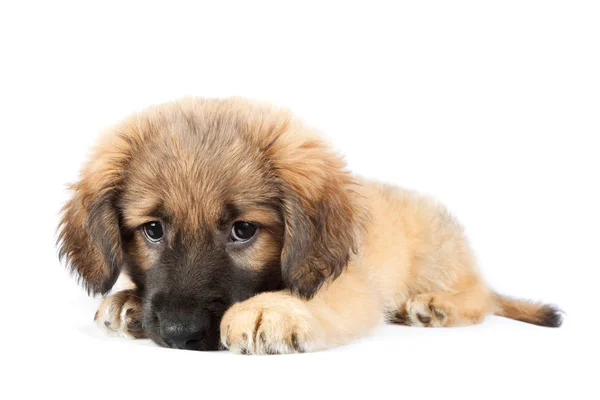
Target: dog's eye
[(242, 231), (153, 231)]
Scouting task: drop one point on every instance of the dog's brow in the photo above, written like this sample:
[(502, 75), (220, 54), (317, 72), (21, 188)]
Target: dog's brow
[(228, 213), (141, 215), (160, 212), (264, 213)]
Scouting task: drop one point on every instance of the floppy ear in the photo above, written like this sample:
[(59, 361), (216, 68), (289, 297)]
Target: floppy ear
[(321, 217), (89, 233)]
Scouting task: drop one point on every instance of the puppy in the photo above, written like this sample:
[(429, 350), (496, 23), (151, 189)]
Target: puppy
[(237, 226)]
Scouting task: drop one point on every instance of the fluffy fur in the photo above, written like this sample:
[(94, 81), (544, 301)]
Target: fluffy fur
[(333, 257)]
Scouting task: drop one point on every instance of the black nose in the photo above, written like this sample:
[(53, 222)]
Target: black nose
[(185, 332)]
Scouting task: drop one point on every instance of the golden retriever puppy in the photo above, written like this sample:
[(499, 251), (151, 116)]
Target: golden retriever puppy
[(239, 227)]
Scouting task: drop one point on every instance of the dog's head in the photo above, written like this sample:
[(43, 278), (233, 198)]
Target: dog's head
[(204, 203)]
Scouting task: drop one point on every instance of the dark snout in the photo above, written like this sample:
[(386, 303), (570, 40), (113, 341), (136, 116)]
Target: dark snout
[(187, 331), (188, 295), (187, 323)]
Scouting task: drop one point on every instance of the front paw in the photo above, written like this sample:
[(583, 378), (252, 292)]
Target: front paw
[(120, 314), (270, 323)]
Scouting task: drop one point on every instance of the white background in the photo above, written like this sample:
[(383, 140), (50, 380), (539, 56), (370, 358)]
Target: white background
[(492, 107)]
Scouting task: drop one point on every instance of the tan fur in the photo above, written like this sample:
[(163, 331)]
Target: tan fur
[(413, 266), (526, 311), (354, 253)]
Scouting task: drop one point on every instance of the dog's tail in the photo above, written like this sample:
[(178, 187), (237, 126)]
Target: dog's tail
[(528, 311)]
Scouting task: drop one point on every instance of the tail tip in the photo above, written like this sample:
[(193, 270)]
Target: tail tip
[(551, 316)]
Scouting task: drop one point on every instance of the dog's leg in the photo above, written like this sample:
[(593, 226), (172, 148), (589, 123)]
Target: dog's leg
[(466, 307), (279, 322), (120, 314)]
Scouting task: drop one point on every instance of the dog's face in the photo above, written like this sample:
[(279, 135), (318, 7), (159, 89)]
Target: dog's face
[(205, 203), (202, 228)]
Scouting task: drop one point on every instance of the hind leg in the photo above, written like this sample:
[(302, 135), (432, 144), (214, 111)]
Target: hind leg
[(466, 307)]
